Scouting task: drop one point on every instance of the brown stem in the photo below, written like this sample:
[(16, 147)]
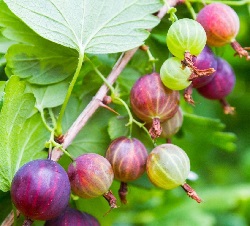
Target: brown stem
[(155, 130), (196, 73), (27, 222), (111, 200), (240, 51), (123, 191), (191, 192), (188, 94), (228, 110)]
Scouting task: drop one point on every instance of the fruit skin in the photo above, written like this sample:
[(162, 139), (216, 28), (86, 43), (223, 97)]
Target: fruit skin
[(173, 75), (128, 158), (73, 217), (90, 175), (150, 99), (40, 189), (206, 59), (171, 126), (168, 166), (186, 35), (220, 22), (222, 84)]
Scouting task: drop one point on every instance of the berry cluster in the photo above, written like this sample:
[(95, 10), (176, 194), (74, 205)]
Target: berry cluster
[(41, 189)]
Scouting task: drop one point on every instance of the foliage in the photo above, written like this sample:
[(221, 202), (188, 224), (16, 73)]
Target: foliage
[(54, 57)]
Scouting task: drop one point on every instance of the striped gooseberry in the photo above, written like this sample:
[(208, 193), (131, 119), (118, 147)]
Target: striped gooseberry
[(168, 167), (128, 158), (186, 38), (73, 217), (221, 85), (171, 126), (152, 102), (221, 24), (186, 35), (40, 189), (91, 175), (173, 75)]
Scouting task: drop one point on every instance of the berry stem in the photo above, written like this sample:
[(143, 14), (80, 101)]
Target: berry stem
[(228, 110), (58, 130), (151, 58), (191, 192), (188, 94), (242, 52), (44, 121), (111, 200), (155, 130), (196, 73), (123, 191), (191, 9), (171, 11), (27, 222)]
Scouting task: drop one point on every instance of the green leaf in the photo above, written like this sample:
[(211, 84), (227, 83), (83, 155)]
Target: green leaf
[(43, 64), (37, 60), (90, 26), (22, 137), (49, 96)]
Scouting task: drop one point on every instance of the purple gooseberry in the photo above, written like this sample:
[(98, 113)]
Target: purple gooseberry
[(40, 189), (221, 85), (73, 217)]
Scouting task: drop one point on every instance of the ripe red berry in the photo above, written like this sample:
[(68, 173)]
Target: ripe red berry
[(152, 102), (73, 217), (90, 175), (128, 158), (40, 189), (221, 24)]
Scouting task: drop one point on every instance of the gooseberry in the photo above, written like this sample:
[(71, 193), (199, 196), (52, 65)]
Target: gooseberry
[(152, 102), (168, 167), (221, 85), (91, 175), (128, 158), (221, 24), (40, 189), (73, 217), (173, 75)]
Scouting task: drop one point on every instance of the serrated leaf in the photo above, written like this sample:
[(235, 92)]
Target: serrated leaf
[(43, 64), (37, 60), (49, 96), (21, 136), (90, 26)]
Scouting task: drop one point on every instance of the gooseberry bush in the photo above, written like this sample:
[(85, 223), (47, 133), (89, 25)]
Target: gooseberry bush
[(114, 112)]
